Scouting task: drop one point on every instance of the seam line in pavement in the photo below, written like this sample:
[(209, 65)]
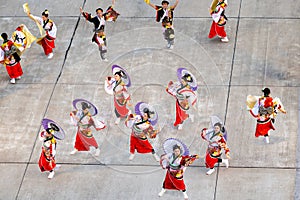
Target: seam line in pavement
[(34, 144), (229, 85)]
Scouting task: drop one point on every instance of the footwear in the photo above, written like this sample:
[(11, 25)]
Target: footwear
[(57, 167), (168, 46), (156, 157), (51, 175), (267, 140), (162, 192), (131, 157), (117, 121), (97, 152), (50, 55), (105, 60), (225, 39), (19, 77), (192, 118), (225, 161), (180, 126), (209, 172), (73, 152), (171, 47), (12, 81), (185, 195)]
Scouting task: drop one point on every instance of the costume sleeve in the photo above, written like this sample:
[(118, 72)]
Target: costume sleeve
[(125, 93), (88, 16), (39, 19), (1, 55)]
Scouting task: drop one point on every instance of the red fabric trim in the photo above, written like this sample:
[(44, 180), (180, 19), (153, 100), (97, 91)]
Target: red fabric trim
[(210, 161), (14, 70), (83, 143), (47, 45), (141, 146), (216, 30), (46, 165), (263, 128), (172, 183), (121, 109), (180, 115)]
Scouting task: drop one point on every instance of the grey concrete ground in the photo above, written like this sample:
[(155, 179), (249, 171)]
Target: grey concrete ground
[(263, 51)]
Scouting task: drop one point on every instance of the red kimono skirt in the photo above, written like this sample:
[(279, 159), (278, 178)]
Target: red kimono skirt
[(14, 70), (83, 142), (46, 164), (173, 183), (140, 145)]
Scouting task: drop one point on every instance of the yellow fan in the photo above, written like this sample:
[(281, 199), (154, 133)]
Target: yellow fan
[(27, 11)]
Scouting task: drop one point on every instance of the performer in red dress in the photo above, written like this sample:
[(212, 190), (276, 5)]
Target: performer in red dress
[(176, 166), (217, 11), (185, 98), (264, 109), (83, 120), (119, 89), (141, 129), (49, 27), (164, 14), (216, 142), (10, 59), (99, 22), (47, 158)]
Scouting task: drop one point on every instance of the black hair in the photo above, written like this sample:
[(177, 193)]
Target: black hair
[(121, 73), (176, 146), (45, 13), (148, 112), (99, 9), (266, 92), (163, 2), (85, 105), (187, 77), (4, 36), (49, 130)]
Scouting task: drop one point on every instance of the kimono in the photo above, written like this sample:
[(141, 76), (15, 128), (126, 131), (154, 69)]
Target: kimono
[(185, 97), (47, 157), (84, 137), (216, 143), (121, 96), (47, 41), (10, 59), (219, 20), (141, 129), (175, 170)]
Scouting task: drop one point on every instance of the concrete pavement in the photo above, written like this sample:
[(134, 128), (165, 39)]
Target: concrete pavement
[(263, 51)]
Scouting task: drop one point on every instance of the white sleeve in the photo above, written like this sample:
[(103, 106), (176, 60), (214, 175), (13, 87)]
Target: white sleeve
[(39, 19), (1, 55)]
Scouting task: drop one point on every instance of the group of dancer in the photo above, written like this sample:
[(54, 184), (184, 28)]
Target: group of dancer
[(12, 48), (143, 121)]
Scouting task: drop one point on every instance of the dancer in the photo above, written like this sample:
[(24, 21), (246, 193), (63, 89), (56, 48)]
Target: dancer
[(82, 118), (176, 160), (184, 94), (47, 29), (217, 28), (216, 142), (142, 124), (48, 136), (99, 22), (265, 110), (10, 59), (117, 87), (164, 14), (22, 38)]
